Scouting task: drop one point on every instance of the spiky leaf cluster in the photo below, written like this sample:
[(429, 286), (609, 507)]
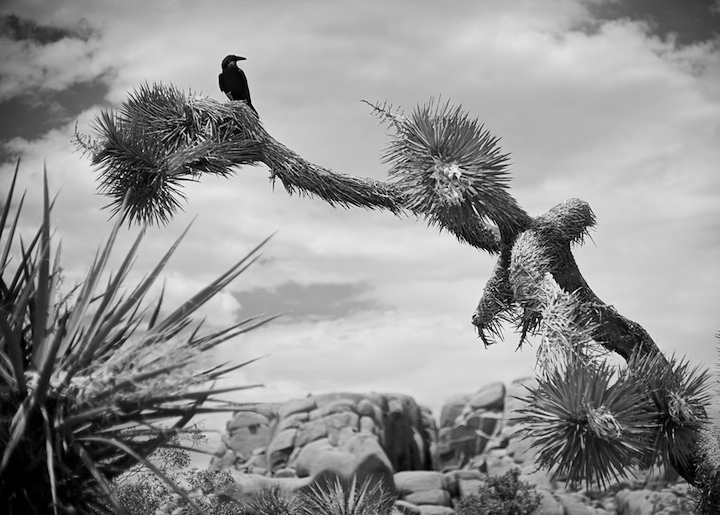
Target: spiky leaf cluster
[(586, 427), (451, 170), (333, 498), (158, 139), (93, 384)]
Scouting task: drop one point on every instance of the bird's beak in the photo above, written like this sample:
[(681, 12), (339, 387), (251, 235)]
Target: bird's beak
[(241, 59)]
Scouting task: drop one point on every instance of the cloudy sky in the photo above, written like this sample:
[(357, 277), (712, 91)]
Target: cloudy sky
[(614, 102)]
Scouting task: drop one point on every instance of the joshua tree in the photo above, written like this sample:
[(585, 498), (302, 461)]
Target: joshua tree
[(448, 169)]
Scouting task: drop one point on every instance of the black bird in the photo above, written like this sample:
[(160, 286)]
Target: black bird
[(233, 81)]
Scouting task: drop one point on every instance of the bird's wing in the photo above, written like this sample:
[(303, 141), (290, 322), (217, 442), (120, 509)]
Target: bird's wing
[(245, 84)]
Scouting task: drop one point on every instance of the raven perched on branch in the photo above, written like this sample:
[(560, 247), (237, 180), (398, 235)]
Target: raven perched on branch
[(233, 81)]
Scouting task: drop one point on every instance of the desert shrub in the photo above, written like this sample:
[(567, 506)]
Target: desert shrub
[(501, 495), (142, 492), (146, 494)]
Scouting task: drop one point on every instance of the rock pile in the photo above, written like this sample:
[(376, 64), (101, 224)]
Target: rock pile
[(338, 434), (389, 438)]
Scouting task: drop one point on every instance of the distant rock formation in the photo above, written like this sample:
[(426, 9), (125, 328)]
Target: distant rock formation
[(322, 437), (391, 439)]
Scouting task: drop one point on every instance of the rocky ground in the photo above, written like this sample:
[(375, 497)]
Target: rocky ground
[(430, 465)]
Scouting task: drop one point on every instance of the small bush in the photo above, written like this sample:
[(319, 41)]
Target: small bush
[(501, 495)]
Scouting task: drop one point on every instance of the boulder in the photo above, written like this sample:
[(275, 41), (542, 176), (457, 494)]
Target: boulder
[(549, 505), (642, 502), (417, 481), (438, 497), (573, 505), (280, 448), (336, 406), (517, 390), (296, 406), (358, 456), (452, 409), (467, 423), (247, 419), (406, 508), (294, 420), (311, 432), (519, 447), (367, 425), (497, 462), (450, 483), (247, 431), (223, 461), (490, 397)]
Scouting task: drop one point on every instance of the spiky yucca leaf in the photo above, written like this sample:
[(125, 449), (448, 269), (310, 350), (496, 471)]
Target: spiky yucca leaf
[(332, 498), (273, 501), (87, 389), (585, 427)]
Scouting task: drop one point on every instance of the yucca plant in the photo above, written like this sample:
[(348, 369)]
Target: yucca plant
[(333, 498), (91, 384)]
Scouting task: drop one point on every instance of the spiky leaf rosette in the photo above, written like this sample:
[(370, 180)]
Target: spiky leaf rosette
[(452, 171), (333, 498), (273, 501), (678, 395), (90, 386), (159, 138), (585, 427)]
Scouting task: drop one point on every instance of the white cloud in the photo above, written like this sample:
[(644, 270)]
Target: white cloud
[(29, 67)]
